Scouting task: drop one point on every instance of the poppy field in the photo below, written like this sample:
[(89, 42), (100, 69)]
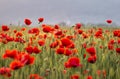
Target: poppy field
[(55, 52)]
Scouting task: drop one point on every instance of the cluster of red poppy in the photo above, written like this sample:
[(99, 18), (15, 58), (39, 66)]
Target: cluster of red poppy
[(62, 44), (29, 22)]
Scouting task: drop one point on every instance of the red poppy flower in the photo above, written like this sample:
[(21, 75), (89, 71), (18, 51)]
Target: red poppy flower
[(29, 49), (5, 28), (91, 51), (73, 62), (23, 29), (98, 72), (84, 45), (35, 76), (66, 64), (27, 21), (5, 38), (47, 29), (8, 38), (60, 51), (110, 46), (34, 31), (66, 42), (84, 35), (118, 50), (67, 52), (116, 33), (40, 19), (78, 26), (89, 77), (16, 65), (84, 56), (56, 26), (70, 37), (75, 76), (30, 59), (92, 59), (98, 34), (80, 31), (25, 58), (41, 42), (109, 21), (112, 41), (5, 71), (10, 53), (19, 39), (54, 44), (59, 32), (118, 41), (15, 31), (71, 46), (19, 34), (36, 50)]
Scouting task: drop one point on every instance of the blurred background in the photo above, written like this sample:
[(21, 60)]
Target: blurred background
[(59, 11)]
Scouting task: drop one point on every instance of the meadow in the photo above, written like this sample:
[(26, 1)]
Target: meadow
[(54, 52)]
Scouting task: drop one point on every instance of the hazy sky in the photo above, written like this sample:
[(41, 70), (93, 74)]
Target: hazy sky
[(55, 11)]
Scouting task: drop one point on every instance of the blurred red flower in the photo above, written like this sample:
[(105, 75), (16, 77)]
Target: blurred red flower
[(98, 72), (84, 56), (54, 44), (5, 28), (58, 32), (16, 65), (41, 42), (5, 71), (75, 76), (8, 38), (47, 29), (80, 31), (25, 58), (60, 51), (67, 52), (19, 34), (23, 29), (118, 50), (15, 31), (91, 51), (78, 25), (98, 34), (29, 49), (109, 21), (73, 62), (10, 53), (27, 21), (92, 59), (34, 31), (112, 41), (118, 41), (40, 19), (89, 77), (84, 45), (66, 42), (110, 46), (56, 26), (35, 76), (19, 39), (36, 50), (116, 33)]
